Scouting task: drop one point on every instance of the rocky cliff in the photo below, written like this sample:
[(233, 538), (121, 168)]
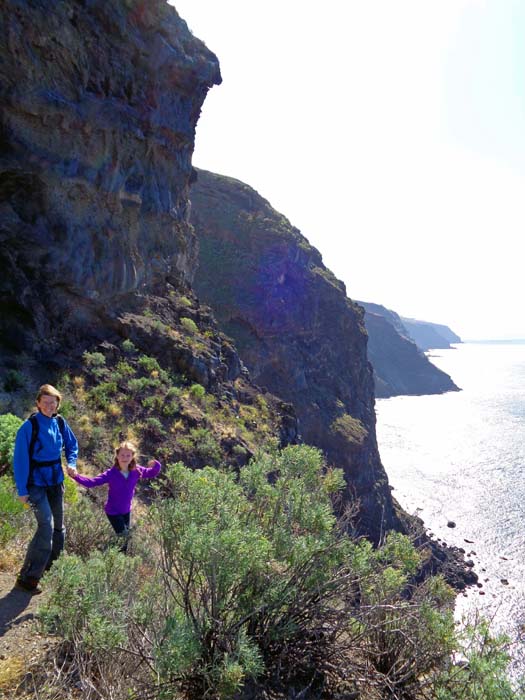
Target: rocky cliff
[(99, 105), (400, 367), (298, 333), (428, 335)]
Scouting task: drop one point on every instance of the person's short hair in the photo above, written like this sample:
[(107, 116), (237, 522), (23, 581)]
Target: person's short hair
[(49, 390)]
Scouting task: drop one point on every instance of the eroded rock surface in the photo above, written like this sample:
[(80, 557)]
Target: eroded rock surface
[(99, 105)]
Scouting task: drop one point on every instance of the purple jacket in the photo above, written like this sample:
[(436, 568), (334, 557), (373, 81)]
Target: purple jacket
[(121, 489)]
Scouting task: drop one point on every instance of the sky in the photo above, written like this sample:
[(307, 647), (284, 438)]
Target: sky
[(391, 133)]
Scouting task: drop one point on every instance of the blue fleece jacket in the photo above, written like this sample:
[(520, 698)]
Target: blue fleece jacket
[(48, 446)]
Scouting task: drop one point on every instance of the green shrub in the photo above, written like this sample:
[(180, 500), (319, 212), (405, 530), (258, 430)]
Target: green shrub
[(349, 428), (148, 364), (483, 673), (67, 408), (202, 445), (124, 369), (128, 347), (189, 325), (251, 577), (70, 491), (197, 391), (152, 402), (94, 359), (11, 511), (138, 385), (154, 426), (236, 548), (9, 425), (87, 527), (101, 394), (89, 599)]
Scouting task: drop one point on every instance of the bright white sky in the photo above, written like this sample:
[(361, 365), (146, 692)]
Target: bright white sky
[(391, 133)]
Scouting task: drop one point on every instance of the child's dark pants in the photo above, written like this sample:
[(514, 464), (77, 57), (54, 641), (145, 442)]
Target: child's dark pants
[(120, 524)]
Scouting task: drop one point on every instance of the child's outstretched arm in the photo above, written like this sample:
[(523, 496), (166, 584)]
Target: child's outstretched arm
[(89, 481), (151, 470)]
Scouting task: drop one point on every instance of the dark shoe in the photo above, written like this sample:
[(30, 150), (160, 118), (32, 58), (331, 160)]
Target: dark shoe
[(29, 585)]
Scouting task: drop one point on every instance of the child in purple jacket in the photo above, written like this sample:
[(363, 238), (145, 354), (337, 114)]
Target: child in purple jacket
[(121, 479)]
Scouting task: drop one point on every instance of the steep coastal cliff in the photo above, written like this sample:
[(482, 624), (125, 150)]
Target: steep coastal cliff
[(400, 367), (296, 330), (99, 106), (244, 587), (428, 335)]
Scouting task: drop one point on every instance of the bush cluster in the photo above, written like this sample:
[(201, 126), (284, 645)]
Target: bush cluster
[(248, 587)]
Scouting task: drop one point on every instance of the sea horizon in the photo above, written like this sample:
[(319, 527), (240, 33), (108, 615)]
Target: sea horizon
[(495, 341)]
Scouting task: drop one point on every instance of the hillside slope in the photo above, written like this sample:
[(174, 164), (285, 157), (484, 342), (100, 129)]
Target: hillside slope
[(298, 333)]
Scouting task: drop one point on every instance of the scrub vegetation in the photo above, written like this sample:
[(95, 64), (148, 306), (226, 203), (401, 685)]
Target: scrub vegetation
[(240, 582), (245, 585)]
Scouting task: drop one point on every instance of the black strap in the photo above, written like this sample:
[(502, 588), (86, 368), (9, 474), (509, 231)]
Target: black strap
[(35, 463), (34, 435)]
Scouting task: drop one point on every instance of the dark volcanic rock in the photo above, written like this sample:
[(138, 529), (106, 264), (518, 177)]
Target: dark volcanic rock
[(99, 106), (400, 367), (100, 101), (296, 330)]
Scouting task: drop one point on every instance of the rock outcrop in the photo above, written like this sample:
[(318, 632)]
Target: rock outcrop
[(100, 101), (298, 333), (400, 367), (99, 106)]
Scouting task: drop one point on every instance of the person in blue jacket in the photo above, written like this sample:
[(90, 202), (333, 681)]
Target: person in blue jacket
[(39, 480)]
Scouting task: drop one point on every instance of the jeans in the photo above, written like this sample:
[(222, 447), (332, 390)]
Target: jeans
[(47, 503)]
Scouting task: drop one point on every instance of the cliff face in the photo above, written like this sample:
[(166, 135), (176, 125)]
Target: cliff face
[(99, 106), (295, 329), (400, 367), (428, 335)]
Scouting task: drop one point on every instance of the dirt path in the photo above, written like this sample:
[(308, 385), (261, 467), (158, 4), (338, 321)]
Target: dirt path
[(21, 644)]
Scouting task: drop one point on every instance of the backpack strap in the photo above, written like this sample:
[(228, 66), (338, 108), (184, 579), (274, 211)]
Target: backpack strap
[(34, 434)]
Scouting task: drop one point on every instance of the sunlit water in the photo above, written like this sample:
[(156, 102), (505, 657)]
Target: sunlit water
[(461, 457)]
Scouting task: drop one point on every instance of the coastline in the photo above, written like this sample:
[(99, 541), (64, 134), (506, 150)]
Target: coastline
[(458, 457)]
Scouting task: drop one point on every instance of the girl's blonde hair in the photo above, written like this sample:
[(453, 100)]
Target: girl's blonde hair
[(49, 390), (126, 445)]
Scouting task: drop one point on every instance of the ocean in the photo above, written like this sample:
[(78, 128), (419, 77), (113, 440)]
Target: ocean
[(460, 458)]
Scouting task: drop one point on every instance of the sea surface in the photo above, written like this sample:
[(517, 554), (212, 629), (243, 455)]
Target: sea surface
[(460, 457)]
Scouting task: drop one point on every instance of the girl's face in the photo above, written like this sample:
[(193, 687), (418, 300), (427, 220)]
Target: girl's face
[(47, 405), (124, 457)]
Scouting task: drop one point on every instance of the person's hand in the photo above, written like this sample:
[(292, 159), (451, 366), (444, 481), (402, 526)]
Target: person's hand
[(24, 499), (71, 470), (152, 463)]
